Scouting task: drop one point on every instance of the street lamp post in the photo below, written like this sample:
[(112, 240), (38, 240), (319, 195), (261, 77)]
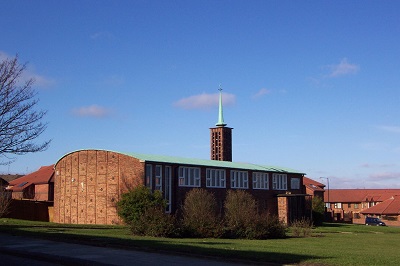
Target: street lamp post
[(327, 181)]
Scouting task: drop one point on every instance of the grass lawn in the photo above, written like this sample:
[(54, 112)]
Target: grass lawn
[(331, 244)]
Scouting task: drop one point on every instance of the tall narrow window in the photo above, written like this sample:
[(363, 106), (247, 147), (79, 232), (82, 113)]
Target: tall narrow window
[(149, 175), (158, 178), (167, 189), (260, 180), (239, 179)]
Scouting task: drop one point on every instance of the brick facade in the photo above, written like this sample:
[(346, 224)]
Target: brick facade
[(88, 184)]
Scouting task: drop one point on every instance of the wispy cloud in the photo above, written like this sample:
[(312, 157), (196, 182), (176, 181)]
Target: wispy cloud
[(376, 165), (261, 93), (102, 35), (30, 73), (384, 176), (205, 101), (393, 129), (92, 111), (341, 69)]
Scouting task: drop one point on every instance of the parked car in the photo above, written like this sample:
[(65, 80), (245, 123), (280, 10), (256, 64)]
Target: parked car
[(374, 221)]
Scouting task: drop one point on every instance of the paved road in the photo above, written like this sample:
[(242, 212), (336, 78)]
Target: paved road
[(77, 254)]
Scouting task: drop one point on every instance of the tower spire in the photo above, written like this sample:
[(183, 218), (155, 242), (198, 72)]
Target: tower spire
[(220, 122)]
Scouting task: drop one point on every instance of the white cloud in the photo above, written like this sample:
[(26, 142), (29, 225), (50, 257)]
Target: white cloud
[(384, 176), (343, 68), (205, 101), (91, 111), (393, 129), (261, 93), (29, 73), (102, 35)]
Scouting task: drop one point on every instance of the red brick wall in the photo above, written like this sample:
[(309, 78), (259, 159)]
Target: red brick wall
[(88, 183)]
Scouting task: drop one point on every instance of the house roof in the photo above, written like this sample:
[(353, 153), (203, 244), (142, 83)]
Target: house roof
[(390, 206), (41, 176), (203, 162), (313, 185), (9, 177), (359, 195)]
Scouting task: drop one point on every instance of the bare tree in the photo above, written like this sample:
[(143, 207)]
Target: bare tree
[(5, 201), (20, 123)]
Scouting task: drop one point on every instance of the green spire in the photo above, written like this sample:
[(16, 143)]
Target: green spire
[(220, 112)]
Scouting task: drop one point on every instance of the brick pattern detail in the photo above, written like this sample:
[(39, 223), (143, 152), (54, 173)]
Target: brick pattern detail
[(221, 143), (283, 209), (88, 184)]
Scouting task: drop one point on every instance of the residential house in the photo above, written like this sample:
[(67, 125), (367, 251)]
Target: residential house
[(348, 205), (388, 210), (38, 185)]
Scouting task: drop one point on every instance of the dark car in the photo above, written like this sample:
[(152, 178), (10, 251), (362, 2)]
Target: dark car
[(374, 221)]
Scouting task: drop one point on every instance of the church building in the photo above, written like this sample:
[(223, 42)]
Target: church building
[(88, 183)]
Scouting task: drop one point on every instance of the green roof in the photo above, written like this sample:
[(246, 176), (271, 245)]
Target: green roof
[(199, 162), (210, 163)]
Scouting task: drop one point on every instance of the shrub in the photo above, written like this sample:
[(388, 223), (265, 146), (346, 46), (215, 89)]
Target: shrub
[(301, 228), (200, 218), (155, 222), (143, 211), (318, 210), (240, 214)]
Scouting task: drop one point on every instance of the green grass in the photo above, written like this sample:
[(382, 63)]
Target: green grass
[(331, 244)]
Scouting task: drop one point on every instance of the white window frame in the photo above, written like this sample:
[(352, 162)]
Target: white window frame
[(215, 178), (279, 181), (158, 178), (260, 180), (295, 183), (149, 175), (239, 179), (189, 176)]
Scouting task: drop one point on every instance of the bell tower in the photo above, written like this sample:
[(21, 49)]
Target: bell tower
[(221, 137)]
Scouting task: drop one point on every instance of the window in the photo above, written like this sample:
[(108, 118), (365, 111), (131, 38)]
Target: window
[(216, 178), (158, 178), (239, 179), (149, 175), (189, 176), (355, 205), (279, 181), (348, 205), (167, 191), (295, 183), (328, 205), (338, 205), (260, 180)]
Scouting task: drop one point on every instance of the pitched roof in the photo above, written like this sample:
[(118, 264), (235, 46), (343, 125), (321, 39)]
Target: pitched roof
[(41, 176), (387, 207), (9, 177), (360, 195), (313, 185)]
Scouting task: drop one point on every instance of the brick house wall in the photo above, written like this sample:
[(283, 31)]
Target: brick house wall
[(88, 183)]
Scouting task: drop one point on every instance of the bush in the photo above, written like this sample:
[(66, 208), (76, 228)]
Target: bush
[(144, 212), (240, 214), (301, 228), (318, 210), (155, 222), (200, 218)]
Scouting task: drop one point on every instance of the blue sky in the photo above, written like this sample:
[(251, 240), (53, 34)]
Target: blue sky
[(309, 85)]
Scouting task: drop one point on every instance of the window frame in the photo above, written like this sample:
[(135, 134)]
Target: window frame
[(158, 178), (239, 179), (279, 181), (260, 180), (296, 179), (189, 176), (215, 178)]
